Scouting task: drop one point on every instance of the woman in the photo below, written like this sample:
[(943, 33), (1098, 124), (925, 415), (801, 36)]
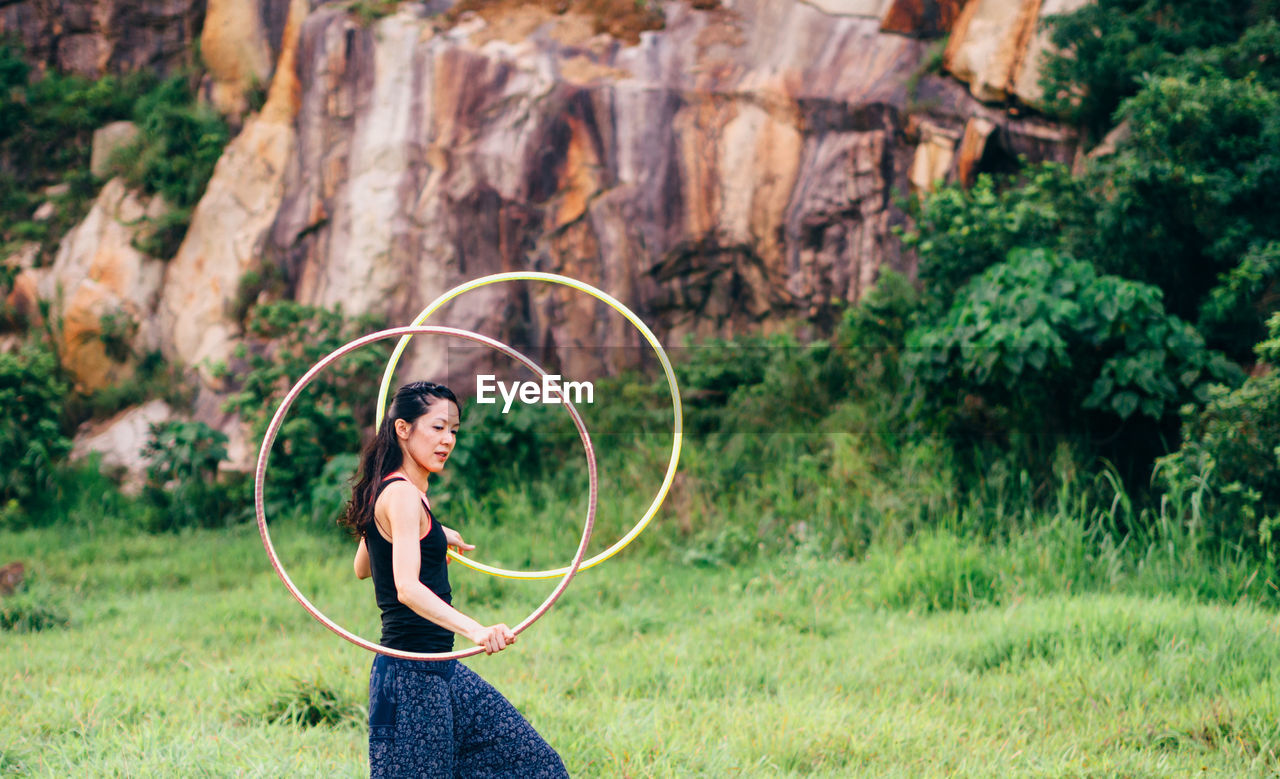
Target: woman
[(428, 718)]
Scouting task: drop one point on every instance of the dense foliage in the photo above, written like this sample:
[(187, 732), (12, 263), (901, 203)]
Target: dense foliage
[(182, 485), (32, 394), (331, 415), (46, 129), (179, 141), (1109, 45), (1230, 456), (1046, 339)]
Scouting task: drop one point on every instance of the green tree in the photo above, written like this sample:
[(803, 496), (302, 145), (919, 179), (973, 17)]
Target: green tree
[(1045, 346), (1107, 46), (960, 232), (1187, 202)]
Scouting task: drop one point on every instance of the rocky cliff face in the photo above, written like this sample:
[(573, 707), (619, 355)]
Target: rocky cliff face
[(730, 172), (95, 37)]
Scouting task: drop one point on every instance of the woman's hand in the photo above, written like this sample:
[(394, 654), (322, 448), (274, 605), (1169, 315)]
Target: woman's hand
[(454, 539), (494, 638)]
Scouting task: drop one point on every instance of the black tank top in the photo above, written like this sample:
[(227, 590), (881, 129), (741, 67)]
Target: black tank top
[(402, 627)]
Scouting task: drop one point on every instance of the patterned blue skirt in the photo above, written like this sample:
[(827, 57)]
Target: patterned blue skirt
[(441, 720)]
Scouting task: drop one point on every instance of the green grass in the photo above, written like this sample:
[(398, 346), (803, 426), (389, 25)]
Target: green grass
[(184, 655)]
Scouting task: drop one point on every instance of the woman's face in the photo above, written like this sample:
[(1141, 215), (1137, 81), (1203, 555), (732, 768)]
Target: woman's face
[(431, 437)]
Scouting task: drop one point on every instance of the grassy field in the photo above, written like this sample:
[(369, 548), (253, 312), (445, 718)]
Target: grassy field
[(185, 656)]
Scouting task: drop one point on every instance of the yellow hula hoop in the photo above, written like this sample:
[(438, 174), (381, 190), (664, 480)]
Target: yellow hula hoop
[(616, 305)]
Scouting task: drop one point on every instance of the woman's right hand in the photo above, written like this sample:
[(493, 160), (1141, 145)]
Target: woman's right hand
[(494, 638)]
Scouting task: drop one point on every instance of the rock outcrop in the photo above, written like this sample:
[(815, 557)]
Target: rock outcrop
[(103, 290), (95, 37), (734, 171), (119, 441), (729, 172), (997, 47), (11, 577)]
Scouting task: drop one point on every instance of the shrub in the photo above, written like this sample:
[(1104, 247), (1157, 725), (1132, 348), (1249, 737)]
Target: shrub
[(182, 488), (959, 233), (330, 417), (1185, 203), (46, 128), (1230, 457), (179, 142), (1034, 342), (32, 394), (872, 335)]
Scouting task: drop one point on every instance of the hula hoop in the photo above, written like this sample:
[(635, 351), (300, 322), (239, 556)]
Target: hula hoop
[(616, 305), (274, 428)]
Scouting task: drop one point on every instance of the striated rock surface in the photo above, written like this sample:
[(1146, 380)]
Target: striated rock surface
[(95, 37), (107, 140), (998, 46), (103, 290), (229, 225), (1027, 83), (988, 44), (732, 172)]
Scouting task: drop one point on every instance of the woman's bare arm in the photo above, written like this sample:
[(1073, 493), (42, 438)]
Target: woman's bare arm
[(404, 508), (363, 570)]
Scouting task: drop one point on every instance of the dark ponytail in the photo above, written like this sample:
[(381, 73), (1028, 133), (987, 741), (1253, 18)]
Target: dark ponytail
[(382, 455)]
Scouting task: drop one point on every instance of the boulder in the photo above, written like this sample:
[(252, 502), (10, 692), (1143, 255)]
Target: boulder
[(11, 577), (234, 47), (973, 145), (1027, 84), (107, 140), (933, 157), (119, 441), (102, 290), (988, 43)]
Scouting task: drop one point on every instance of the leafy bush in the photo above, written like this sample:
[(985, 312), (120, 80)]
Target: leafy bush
[(330, 417), (46, 132), (46, 129), (1230, 456), (1040, 339), (959, 233), (872, 335), (32, 394), (332, 489), (179, 142), (1186, 202), (1107, 46), (182, 488), (495, 448)]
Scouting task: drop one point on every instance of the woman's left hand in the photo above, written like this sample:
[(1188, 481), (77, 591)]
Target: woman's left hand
[(454, 539)]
